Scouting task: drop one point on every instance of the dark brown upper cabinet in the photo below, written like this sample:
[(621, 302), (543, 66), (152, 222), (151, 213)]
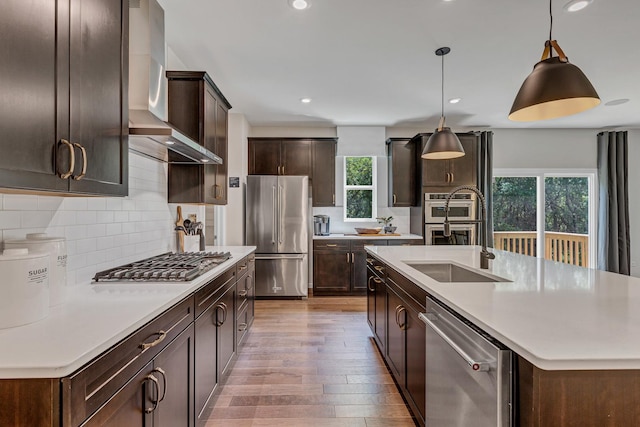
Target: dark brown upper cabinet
[(278, 156), (323, 180), (401, 161), (444, 175), (313, 157), (64, 119), (199, 110)]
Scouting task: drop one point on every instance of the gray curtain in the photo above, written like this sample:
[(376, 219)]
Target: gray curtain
[(613, 211), (485, 178)]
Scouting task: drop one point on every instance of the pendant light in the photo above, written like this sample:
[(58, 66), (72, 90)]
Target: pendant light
[(555, 88), (443, 144)]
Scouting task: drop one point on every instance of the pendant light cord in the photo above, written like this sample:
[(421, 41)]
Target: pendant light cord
[(442, 89), (550, 20)]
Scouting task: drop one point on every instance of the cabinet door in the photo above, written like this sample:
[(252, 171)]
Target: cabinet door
[(127, 407), (359, 263), (396, 344), (264, 156), (331, 268), (98, 107), (221, 171), (381, 313), (225, 321), (174, 369), (323, 178), (463, 169), (401, 156), (295, 157), (28, 87), (206, 354), (371, 298), (210, 189)]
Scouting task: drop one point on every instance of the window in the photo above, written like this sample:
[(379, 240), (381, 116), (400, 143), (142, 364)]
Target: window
[(359, 188), (548, 214)]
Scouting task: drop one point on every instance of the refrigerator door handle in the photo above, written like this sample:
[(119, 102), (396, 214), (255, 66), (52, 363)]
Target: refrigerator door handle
[(275, 216), (280, 220), (279, 257)]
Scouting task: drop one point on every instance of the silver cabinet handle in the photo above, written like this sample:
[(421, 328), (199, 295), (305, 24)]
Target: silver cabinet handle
[(475, 365), (72, 159), (243, 293), (161, 336), (395, 200), (83, 172), (154, 381), (403, 324), (348, 258)]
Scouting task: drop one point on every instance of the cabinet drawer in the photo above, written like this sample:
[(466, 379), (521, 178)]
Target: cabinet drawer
[(376, 266), (204, 297), (87, 390), (244, 266), (409, 291), (337, 245), (243, 323)]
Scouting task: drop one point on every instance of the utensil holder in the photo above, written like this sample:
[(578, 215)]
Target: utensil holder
[(191, 243)]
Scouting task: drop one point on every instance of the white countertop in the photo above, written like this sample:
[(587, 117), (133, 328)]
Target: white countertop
[(557, 316), (94, 318), (381, 236)]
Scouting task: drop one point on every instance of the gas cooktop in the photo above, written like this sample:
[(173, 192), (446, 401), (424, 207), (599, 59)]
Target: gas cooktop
[(168, 267)]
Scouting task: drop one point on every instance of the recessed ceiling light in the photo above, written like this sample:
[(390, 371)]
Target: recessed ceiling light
[(300, 4), (454, 100), (305, 100), (576, 5), (616, 102)]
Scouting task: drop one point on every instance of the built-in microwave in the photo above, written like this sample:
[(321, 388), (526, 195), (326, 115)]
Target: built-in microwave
[(461, 206), (461, 234)]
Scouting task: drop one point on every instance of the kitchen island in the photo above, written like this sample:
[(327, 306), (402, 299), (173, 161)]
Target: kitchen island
[(110, 345), (574, 330)]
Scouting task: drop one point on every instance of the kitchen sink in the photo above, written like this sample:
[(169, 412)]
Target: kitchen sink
[(446, 272)]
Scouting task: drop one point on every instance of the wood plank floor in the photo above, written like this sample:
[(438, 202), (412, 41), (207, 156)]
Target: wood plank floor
[(310, 363)]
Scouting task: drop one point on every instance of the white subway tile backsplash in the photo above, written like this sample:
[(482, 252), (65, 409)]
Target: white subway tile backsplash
[(18, 202), (101, 232)]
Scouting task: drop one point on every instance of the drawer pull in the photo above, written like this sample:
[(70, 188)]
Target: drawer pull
[(72, 159), (379, 268), (369, 285), (243, 293), (242, 267), (84, 162), (164, 382), (161, 336), (155, 383), (378, 281), (370, 261), (242, 327)]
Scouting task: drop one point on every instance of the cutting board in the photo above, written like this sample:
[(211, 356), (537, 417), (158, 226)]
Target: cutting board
[(374, 235)]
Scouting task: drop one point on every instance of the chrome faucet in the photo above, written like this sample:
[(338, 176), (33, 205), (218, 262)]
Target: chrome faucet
[(485, 255)]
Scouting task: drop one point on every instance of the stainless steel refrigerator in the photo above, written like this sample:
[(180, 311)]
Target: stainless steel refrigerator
[(277, 222)]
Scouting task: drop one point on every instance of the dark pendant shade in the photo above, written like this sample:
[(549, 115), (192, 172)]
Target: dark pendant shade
[(443, 144), (555, 88)]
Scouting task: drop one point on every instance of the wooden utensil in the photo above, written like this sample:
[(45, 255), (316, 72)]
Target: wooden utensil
[(180, 223)]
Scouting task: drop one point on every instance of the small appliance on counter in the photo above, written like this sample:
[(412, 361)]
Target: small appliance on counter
[(56, 248), (24, 290), (321, 225)]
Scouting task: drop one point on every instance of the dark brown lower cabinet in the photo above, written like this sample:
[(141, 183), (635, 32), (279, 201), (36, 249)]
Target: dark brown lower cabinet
[(339, 266), (396, 336)]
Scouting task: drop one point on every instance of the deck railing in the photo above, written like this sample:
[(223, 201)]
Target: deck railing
[(569, 248)]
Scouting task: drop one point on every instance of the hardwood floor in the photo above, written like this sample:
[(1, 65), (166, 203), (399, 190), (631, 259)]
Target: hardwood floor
[(310, 363)]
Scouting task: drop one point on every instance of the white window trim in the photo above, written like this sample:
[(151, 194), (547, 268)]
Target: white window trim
[(372, 187), (540, 174)]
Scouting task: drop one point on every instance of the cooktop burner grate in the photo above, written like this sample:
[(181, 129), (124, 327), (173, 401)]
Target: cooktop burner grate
[(168, 267)]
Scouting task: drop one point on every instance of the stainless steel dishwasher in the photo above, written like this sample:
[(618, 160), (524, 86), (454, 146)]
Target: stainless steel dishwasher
[(468, 374)]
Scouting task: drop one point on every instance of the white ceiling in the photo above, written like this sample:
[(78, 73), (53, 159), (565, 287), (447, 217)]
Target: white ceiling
[(372, 62)]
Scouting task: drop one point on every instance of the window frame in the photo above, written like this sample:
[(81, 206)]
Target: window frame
[(540, 175), (372, 187)]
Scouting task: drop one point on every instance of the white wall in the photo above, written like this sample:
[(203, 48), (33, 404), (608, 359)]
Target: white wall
[(234, 212), (101, 232)]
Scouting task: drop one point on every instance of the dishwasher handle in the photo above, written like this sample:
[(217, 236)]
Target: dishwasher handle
[(477, 366)]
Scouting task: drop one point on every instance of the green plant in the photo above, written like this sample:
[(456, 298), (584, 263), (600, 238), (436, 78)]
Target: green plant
[(385, 220)]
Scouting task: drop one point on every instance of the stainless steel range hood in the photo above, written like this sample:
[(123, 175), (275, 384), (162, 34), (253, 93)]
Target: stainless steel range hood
[(149, 134)]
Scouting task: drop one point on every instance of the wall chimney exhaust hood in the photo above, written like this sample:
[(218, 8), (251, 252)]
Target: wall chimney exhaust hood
[(149, 134)]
